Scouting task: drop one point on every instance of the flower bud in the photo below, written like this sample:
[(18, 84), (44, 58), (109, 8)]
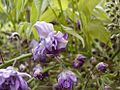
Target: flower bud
[(79, 61), (93, 60), (22, 67), (101, 66), (38, 72)]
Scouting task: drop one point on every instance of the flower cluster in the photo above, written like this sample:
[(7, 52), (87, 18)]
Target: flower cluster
[(51, 42), (66, 80), (12, 80)]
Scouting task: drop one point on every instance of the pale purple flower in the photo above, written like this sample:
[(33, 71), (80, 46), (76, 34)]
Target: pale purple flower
[(52, 42), (101, 66), (38, 72), (66, 80), (12, 80), (79, 61), (39, 52), (107, 87), (55, 42)]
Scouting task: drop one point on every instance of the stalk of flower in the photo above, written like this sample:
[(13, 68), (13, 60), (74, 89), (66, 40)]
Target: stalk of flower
[(51, 42), (12, 80)]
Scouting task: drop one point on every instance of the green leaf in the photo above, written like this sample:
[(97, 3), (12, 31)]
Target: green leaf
[(41, 5), (97, 31), (34, 13), (35, 33), (56, 4), (75, 34), (87, 6), (100, 13), (49, 15)]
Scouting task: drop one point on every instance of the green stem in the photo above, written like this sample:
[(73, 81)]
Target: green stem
[(116, 53), (30, 80), (49, 68), (20, 58)]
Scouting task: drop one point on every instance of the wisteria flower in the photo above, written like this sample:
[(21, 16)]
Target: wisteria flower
[(66, 80), (39, 52), (79, 61), (12, 80), (38, 72), (51, 43), (101, 66)]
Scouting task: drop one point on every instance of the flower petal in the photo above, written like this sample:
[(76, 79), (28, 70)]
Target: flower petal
[(43, 28)]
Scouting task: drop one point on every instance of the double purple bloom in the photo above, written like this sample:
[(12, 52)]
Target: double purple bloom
[(66, 80), (51, 43), (12, 80)]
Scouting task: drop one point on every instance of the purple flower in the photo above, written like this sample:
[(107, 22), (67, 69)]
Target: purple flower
[(39, 52), (66, 80), (38, 72), (101, 66), (44, 29), (78, 24), (55, 43), (12, 80), (79, 61), (51, 43), (107, 87)]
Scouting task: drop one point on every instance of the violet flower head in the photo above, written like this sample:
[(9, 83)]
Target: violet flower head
[(51, 43), (66, 80), (79, 61), (12, 80), (38, 72), (101, 66), (39, 52)]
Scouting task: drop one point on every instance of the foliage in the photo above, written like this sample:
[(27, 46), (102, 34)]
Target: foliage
[(91, 32)]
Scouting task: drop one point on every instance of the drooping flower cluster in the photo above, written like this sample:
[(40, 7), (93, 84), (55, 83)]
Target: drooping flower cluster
[(38, 72), (66, 80), (79, 61), (12, 80), (51, 42)]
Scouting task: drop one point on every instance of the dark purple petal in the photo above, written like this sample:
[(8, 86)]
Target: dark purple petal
[(65, 36), (81, 57)]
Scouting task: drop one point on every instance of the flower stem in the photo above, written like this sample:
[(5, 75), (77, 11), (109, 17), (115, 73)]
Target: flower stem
[(20, 58)]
